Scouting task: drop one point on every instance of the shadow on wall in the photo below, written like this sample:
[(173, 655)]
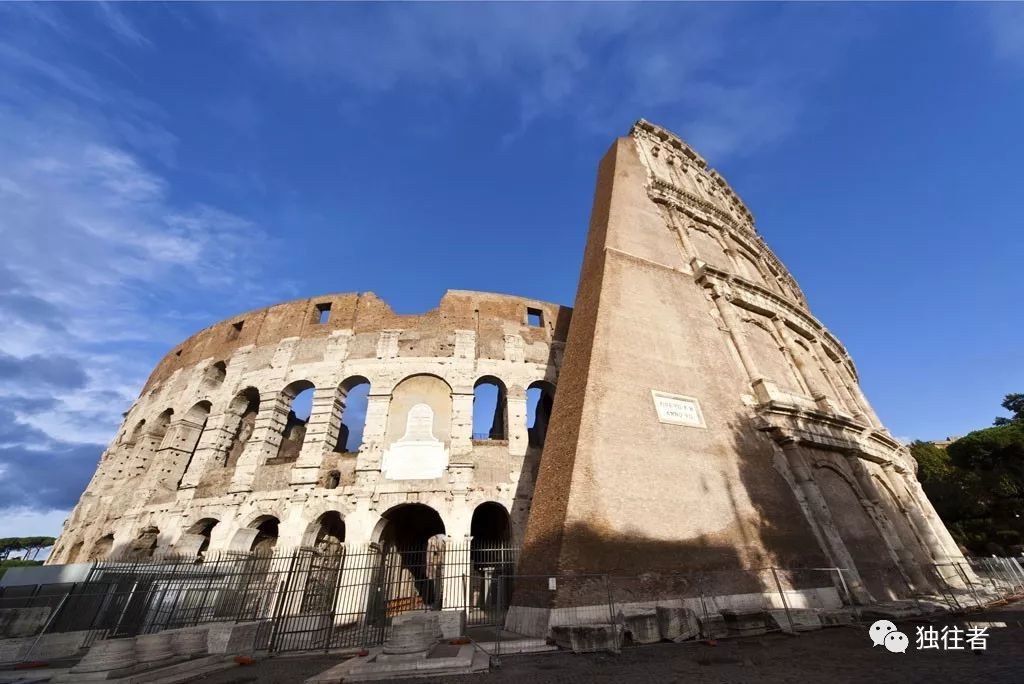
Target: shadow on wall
[(772, 531)]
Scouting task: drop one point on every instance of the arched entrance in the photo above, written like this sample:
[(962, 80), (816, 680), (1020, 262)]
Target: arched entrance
[(266, 535), (411, 541), (203, 528), (491, 557)]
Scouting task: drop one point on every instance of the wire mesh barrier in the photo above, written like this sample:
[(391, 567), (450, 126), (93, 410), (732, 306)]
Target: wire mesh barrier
[(340, 596)]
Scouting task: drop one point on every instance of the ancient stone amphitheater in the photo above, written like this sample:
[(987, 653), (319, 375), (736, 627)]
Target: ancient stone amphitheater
[(704, 419)]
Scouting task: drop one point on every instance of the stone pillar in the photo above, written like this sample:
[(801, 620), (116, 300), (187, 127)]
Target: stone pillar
[(721, 300), (903, 556), (321, 434), (838, 388), (932, 546), (462, 425), (369, 457), (215, 440), (518, 437), (822, 518), (264, 442)]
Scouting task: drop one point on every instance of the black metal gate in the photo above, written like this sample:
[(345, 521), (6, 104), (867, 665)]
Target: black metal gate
[(306, 604)]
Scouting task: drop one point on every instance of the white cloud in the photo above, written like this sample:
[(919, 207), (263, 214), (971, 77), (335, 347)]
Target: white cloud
[(732, 78)]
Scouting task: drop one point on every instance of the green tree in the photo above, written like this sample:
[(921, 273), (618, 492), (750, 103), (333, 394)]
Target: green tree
[(1014, 403)]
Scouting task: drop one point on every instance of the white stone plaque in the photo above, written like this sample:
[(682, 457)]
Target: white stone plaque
[(418, 455), (675, 409)]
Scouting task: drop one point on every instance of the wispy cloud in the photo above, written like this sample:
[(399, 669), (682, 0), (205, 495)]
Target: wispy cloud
[(729, 88), (103, 268), (1005, 23)]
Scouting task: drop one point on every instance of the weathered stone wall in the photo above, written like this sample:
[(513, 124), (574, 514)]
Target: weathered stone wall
[(705, 419), (203, 442)]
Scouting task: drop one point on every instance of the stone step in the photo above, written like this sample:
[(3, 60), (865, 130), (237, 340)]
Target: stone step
[(516, 646)]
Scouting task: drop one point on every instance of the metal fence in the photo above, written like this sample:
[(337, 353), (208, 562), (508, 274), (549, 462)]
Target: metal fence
[(306, 599), (346, 596)]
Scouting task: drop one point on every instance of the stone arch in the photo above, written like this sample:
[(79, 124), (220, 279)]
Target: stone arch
[(540, 401), (331, 479), (857, 528), (421, 388), (197, 537), (771, 361), (293, 435), (73, 552), (143, 547), (905, 527), (411, 538), (240, 423), (191, 430), (490, 409), (353, 397), (101, 548), (267, 529), (491, 556), (215, 374), (708, 245), (326, 532)]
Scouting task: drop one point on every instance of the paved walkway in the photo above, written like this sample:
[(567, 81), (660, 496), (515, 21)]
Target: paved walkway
[(831, 656)]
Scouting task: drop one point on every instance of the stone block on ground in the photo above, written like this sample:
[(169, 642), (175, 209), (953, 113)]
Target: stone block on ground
[(837, 617), (744, 623), (22, 622), (677, 623), (712, 626), (232, 637), (641, 624), (453, 623), (588, 638), (803, 620)]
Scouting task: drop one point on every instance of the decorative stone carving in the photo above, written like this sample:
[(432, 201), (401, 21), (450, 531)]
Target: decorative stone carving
[(418, 455)]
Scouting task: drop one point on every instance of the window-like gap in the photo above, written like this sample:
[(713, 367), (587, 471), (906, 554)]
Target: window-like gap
[(353, 417), (323, 312), (535, 317), (235, 330), (489, 408)]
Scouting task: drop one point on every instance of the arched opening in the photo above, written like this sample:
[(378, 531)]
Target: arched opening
[(332, 479), (203, 528), (355, 395), (491, 556), (412, 553), (144, 545), (328, 531), (74, 551), (299, 399), (490, 409), (192, 428), (101, 548), (243, 409), (540, 400), (265, 541), (215, 374)]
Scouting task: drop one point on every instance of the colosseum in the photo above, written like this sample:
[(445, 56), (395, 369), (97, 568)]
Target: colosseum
[(701, 418)]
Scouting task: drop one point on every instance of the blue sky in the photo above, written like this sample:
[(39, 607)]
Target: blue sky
[(165, 166)]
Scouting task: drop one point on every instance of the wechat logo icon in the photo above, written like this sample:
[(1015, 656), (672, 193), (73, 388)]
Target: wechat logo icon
[(884, 633)]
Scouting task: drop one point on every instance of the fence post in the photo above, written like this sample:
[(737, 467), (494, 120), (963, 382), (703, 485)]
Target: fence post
[(785, 603), (611, 614)]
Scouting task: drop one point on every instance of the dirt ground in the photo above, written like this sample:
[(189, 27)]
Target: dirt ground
[(841, 654)]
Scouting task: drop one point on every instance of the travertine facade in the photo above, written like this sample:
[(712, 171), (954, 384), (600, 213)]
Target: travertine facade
[(210, 456), (704, 419)]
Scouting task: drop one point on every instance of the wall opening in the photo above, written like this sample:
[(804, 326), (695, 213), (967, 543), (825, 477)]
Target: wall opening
[(355, 396), (332, 480), (243, 409), (412, 540), (330, 531), (490, 409), (534, 317), (266, 535), (101, 548), (323, 313), (490, 555), (144, 545), (299, 398), (194, 424), (204, 528), (235, 330), (215, 374), (540, 400)]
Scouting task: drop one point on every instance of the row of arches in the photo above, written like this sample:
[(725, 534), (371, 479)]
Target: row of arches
[(295, 405), (407, 527)]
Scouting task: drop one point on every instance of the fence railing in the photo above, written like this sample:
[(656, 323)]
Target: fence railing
[(346, 596)]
